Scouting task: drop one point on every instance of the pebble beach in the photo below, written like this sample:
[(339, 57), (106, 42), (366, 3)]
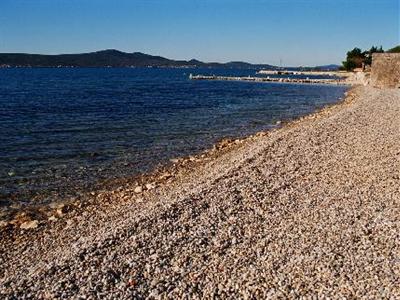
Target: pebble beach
[(311, 209)]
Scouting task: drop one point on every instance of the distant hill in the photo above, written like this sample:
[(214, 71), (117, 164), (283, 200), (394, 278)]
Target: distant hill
[(332, 67), (112, 58)]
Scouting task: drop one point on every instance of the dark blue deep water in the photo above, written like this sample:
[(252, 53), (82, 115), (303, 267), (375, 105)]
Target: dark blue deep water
[(64, 131)]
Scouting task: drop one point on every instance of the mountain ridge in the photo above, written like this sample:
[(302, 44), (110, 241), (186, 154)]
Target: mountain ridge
[(117, 58), (112, 58)]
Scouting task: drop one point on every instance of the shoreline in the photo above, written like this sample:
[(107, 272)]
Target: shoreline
[(309, 209), (45, 214)]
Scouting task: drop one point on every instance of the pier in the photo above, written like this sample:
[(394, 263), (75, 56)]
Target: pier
[(271, 79), (288, 72)]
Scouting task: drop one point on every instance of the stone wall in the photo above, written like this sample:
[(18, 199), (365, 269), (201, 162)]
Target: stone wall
[(385, 70)]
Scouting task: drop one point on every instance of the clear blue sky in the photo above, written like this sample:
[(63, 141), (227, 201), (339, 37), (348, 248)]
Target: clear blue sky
[(300, 32)]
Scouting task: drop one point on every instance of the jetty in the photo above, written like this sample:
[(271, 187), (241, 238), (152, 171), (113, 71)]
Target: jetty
[(288, 72), (306, 80)]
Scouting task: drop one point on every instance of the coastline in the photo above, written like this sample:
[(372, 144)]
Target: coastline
[(38, 215), (264, 176), (44, 213)]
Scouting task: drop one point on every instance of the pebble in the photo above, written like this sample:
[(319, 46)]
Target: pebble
[(52, 218), (29, 224), (138, 189), (150, 186)]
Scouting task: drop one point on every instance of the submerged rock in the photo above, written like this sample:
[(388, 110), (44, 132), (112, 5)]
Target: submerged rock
[(175, 160)]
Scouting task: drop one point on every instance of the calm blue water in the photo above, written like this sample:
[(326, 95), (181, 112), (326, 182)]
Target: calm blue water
[(63, 131)]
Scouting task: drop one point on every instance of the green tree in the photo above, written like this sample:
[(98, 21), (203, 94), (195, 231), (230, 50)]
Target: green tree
[(394, 50), (356, 57), (368, 54)]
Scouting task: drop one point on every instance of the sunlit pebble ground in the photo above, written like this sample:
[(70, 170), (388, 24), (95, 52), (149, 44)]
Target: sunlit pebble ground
[(312, 209)]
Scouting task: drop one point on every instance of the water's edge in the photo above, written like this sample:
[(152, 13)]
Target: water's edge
[(159, 175)]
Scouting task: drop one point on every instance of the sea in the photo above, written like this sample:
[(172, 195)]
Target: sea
[(66, 131)]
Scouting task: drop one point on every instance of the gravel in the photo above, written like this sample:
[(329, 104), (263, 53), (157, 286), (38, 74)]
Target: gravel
[(311, 209)]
